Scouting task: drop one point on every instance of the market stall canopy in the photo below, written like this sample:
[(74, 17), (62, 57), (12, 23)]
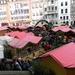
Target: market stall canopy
[(20, 35), (20, 27), (64, 55), (17, 43), (65, 29), (4, 39), (3, 28), (62, 28), (73, 30), (13, 26)]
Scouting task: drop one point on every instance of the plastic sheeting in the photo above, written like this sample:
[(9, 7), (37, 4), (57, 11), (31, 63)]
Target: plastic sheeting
[(1, 51), (4, 39)]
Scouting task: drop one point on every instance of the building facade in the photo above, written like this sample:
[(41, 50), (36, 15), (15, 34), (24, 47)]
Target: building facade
[(64, 11), (59, 11), (37, 10), (54, 11), (72, 12), (15, 12), (51, 11)]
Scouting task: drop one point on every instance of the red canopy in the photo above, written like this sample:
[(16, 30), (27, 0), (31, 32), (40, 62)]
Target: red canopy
[(64, 55), (73, 30), (62, 28), (20, 35), (17, 43), (3, 28), (21, 27), (65, 29)]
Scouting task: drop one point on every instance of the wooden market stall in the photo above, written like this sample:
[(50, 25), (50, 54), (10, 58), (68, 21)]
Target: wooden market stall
[(3, 30), (25, 47), (17, 28), (66, 30), (61, 60)]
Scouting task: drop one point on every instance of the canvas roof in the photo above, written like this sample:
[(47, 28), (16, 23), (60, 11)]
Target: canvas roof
[(73, 30), (64, 55), (3, 28), (21, 27), (17, 43), (62, 28), (65, 29), (20, 35)]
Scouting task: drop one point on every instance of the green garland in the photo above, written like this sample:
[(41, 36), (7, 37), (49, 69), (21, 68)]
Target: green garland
[(29, 44), (49, 24), (57, 37)]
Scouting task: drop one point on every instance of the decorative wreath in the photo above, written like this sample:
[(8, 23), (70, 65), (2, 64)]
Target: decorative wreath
[(59, 33)]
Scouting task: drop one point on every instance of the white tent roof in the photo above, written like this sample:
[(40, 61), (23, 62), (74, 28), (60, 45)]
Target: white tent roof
[(4, 39), (1, 51)]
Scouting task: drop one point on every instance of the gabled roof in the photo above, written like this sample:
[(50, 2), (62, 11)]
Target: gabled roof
[(62, 28), (17, 43), (64, 55), (3, 28), (20, 35), (21, 27)]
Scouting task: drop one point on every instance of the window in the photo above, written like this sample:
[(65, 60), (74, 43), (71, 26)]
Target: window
[(36, 5), (45, 9), (72, 2), (37, 14), (10, 0), (64, 22), (1, 2), (65, 10), (61, 17), (40, 5), (52, 8), (45, 16), (48, 0), (61, 3), (55, 8), (41, 13), (67, 23), (49, 8), (4, 1), (61, 10), (66, 3), (33, 14), (32, 6), (67, 17), (52, 1), (56, 15), (14, 0)]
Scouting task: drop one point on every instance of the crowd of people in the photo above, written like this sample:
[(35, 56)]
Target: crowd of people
[(16, 64)]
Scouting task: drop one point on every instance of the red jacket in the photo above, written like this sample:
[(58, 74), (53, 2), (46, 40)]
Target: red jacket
[(47, 46)]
